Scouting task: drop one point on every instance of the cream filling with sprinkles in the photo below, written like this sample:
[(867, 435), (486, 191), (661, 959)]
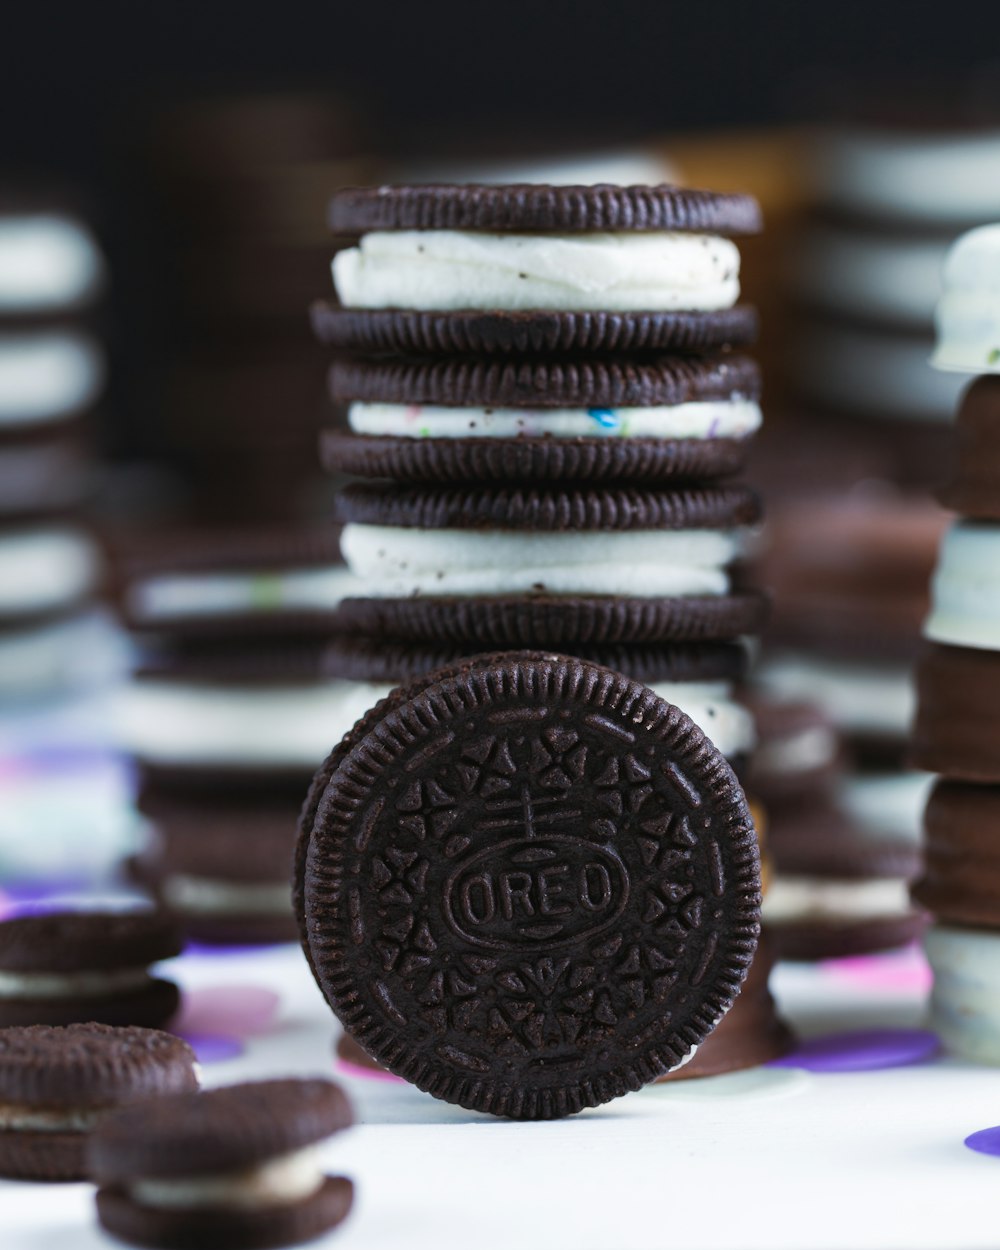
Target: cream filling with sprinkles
[(827, 899), (722, 418), (182, 595), (394, 561), (651, 271), (968, 312), (285, 1179), (33, 985), (17, 1118), (211, 897)]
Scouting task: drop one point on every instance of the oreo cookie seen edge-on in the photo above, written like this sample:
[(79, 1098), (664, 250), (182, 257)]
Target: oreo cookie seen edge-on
[(529, 885)]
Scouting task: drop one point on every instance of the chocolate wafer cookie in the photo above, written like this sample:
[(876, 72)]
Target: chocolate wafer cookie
[(636, 915)]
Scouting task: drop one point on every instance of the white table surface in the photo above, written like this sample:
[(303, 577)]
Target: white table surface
[(774, 1160)]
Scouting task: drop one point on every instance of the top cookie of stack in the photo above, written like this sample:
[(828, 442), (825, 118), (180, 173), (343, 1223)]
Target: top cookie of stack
[(548, 376)]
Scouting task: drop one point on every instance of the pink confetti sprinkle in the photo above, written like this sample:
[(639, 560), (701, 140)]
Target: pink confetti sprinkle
[(373, 1074), (228, 1011), (903, 970)]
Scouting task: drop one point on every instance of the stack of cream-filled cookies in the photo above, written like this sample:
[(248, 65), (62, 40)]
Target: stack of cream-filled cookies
[(957, 731), (52, 368), (228, 714), (550, 384)]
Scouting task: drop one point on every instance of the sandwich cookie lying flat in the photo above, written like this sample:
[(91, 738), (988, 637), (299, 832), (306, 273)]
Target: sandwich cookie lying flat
[(668, 418), (56, 1084), (960, 883), (71, 966), (236, 1168), (221, 861), (528, 885)]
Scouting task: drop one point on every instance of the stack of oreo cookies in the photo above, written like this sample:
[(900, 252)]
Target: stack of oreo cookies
[(957, 730), (52, 369), (547, 396), (231, 708)]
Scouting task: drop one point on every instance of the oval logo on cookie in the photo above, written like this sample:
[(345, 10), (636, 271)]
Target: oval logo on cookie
[(536, 892)]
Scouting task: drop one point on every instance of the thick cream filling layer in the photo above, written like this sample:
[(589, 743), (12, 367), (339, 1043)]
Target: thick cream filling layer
[(33, 985), (450, 269), (44, 569), (209, 896), (825, 899), (968, 313), (283, 1180), (723, 418), (46, 375), (858, 698), (393, 561), (283, 726), (965, 588), (47, 261), (965, 1000), (183, 595), (15, 1117), (809, 749)]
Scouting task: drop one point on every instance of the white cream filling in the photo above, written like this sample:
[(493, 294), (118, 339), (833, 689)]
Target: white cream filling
[(182, 595), (82, 650), (873, 373), (968, 313), (44, 569), (285, 1179), (930, 178), (394, 561), (46, 375), (279, 726), (15, 1117), (965, 587), (726, 723), (47, 261), (888, 805), (450, 269), (798, 753), (965, 1000), (724, 418), (34, 985), (207, 896), (871, 275), (828, 900), (858, 698)]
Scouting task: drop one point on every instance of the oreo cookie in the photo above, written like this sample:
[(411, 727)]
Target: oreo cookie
[(540, 208), (527, 885), (65, 967), (960, 882), (58, 1083), (472, 332), (232, 1168)]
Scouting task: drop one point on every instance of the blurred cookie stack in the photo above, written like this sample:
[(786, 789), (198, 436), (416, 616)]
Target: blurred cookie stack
[(230, 711), (52, 371), (240, 185), (549, 380), (888, 196), (957, 731)]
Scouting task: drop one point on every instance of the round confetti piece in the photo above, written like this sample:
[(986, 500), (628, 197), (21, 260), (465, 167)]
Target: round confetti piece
[(228, 1010), (210, 1048), (985, 1142), (866, 1050)]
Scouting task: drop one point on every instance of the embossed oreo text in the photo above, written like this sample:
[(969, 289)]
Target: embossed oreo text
[(536, 890)]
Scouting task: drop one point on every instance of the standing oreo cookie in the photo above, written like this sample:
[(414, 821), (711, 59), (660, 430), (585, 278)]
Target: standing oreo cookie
[(232, 1169), (56, 1084), (65, 967), (528, 886)]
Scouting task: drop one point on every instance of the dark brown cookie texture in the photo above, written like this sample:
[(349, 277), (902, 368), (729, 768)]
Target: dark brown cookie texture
[(961, 871), (386, 660), (550, 508), (598, 460), (57, 1083), (65, 967), (974, 486), (566, 622), (643, 382), (469, 332), (149, 1166), (528, 887), (537, 207), (810, 941), (957, 727), (221, 862)]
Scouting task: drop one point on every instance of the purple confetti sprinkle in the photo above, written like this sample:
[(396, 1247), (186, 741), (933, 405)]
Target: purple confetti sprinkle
[(868, 1050), (203, 950), (985, 1142), (228, 1010), (210, 1048)]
